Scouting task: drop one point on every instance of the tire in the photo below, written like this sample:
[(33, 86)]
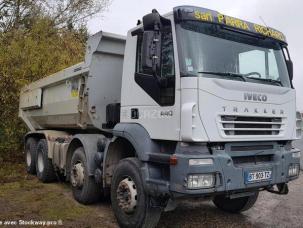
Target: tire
[(85, 191), (141, 215), (30, 155), (44, 166), (236, 205)]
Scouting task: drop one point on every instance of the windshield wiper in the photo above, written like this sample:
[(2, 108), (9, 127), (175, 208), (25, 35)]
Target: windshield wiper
[(241, 76), (267, 80), (225, 74)]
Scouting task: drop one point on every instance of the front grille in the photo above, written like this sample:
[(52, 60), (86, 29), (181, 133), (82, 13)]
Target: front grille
[(253, 159), (251, 125)]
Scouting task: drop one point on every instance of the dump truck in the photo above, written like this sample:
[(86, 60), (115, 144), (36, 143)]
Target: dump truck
[(190, 104)]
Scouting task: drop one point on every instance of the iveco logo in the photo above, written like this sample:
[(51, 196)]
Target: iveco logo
[(255, 97)]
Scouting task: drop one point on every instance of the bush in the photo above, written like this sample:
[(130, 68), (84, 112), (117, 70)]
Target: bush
[(28, 54)]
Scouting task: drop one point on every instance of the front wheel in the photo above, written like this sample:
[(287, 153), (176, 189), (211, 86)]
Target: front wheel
[(235, 205), (131, 204)]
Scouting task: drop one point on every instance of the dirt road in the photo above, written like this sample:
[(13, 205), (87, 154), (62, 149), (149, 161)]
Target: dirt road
[(23, 197)]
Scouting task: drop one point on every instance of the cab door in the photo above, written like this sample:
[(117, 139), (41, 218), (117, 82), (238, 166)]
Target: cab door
[(154, 99)]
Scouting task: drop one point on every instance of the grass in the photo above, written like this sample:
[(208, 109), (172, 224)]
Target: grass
[(23, 196), (11, 172), (33, 199)]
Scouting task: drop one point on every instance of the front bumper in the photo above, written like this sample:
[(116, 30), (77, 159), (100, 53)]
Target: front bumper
[(229, 174)]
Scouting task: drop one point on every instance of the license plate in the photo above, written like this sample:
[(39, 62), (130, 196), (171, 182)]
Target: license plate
[(257, 176)]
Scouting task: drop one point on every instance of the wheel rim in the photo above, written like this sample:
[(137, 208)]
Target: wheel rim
[(127, 195), (40, 162), (28, 158), (77, 175)]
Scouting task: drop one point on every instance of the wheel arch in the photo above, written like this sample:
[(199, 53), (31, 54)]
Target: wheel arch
[(138, 137), (118, 149), (130, 140), (89, 142)]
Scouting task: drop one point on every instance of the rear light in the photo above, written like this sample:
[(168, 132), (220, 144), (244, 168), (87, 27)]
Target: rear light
[(173, 160)]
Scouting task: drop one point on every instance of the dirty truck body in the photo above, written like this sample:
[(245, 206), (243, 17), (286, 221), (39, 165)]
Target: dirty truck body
[(191, 104)]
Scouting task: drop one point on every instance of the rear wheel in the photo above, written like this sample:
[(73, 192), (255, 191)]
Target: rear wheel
[(44, 166), (30, 155), (131, 204), (85, 189), (235, 205)]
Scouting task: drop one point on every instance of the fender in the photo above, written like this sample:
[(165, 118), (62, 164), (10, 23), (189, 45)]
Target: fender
[(138, 137), (146, 150), (90, 145)]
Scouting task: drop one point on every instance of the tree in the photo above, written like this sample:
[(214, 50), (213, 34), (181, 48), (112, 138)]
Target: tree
[(71, 12), (63, 13), (36, 40), (13, 13)]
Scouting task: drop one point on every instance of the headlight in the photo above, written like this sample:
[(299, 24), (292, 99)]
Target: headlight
[(202, 161), (293, 170), (200, 181), (296, 154)]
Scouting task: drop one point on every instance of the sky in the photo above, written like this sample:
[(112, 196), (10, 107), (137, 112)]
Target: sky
[(285, 16)]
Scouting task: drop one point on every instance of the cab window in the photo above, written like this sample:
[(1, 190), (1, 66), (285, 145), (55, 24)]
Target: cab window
[(161, 90)]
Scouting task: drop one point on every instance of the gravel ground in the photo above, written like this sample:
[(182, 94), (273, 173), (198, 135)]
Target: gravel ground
[(271, 210), (28, 199)]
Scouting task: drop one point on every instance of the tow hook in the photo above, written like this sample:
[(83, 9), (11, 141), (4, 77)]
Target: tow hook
[(282, 189)]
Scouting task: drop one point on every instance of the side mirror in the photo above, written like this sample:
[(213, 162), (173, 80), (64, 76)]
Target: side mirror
[(147, 42), (290, 69), (151, 51), (152, 21), (151, 47)]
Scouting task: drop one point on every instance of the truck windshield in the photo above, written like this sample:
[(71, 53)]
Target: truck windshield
[(210, 51)]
